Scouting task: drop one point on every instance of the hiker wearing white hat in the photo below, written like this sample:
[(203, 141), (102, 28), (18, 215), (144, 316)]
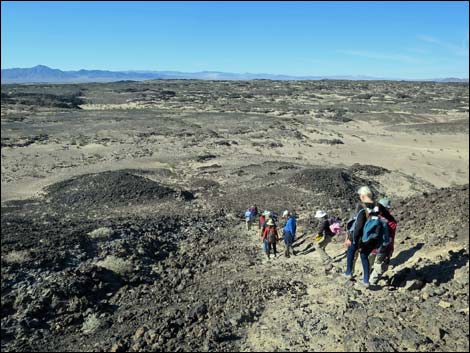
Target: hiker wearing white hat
[(324, 235)]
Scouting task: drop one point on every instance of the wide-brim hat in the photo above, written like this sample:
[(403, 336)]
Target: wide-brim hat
[(385, 202), (320, 214)]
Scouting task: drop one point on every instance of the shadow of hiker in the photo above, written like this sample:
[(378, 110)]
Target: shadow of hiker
[(308, 249), (301, 236), (340, 257), (405, 255), (441, 272), (297, 244)]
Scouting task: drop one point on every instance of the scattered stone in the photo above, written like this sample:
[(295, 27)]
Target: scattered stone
[(416, 284), (198, 312), (139, 333), (444, 304)]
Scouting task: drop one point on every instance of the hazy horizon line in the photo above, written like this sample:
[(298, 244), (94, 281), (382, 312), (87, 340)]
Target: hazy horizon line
[(238, 73)]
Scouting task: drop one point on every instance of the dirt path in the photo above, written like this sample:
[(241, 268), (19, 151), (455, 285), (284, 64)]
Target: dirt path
[(289, 322)]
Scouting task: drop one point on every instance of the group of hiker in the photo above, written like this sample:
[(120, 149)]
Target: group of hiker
[(268, 229), (370, 234)]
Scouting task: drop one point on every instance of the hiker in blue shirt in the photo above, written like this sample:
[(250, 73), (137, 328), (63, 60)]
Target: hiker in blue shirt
[(248, 219), (289, 232)]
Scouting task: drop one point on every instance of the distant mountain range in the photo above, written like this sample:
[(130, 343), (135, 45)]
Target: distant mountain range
[(44, 74)]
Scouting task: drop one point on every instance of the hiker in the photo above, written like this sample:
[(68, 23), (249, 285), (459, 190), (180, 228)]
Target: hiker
[(355, 229), (289, 232), (254, 210), (271, 237), (261, 220), (379, 261), (248, 219), (263, 224), (325, 235)]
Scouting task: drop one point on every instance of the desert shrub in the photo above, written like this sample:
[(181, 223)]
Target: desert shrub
[(17, 257), (117, 265), (91, 324), (101, 233)]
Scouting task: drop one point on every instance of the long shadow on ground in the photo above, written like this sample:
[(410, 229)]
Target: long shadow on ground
[(442, 272), (405, 255)]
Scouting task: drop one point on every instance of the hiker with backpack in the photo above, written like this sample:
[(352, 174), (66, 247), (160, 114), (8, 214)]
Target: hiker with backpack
[(289, 232), (261, 224), (325, 235), (379, 261), (270, 237), (254, 210), (365, 233)]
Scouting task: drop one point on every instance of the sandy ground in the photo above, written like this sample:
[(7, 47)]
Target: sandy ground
[(440, 159)]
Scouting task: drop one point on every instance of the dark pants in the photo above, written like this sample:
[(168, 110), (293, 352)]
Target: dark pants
[(350, 258), (366, 251), (288, 241), (272, 245)]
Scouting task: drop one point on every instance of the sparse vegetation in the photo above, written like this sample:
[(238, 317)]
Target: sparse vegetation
[(16, 257), (101, 233), (118, 265)]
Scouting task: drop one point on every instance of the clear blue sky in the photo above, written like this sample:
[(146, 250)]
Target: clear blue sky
[(393, 40)]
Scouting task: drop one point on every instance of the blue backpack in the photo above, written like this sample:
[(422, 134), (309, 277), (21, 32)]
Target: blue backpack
[(377, 229)]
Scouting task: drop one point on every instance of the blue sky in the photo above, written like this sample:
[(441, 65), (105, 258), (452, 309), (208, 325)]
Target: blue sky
[(394, 40)]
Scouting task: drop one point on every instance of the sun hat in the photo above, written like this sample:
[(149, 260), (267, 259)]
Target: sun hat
[(270, 222), (320, 214), (285, 213), (385, 202)]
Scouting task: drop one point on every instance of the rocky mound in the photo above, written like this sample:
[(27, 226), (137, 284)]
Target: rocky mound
[(440, 216), (109, 188), (369, 170), (338, 184)]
